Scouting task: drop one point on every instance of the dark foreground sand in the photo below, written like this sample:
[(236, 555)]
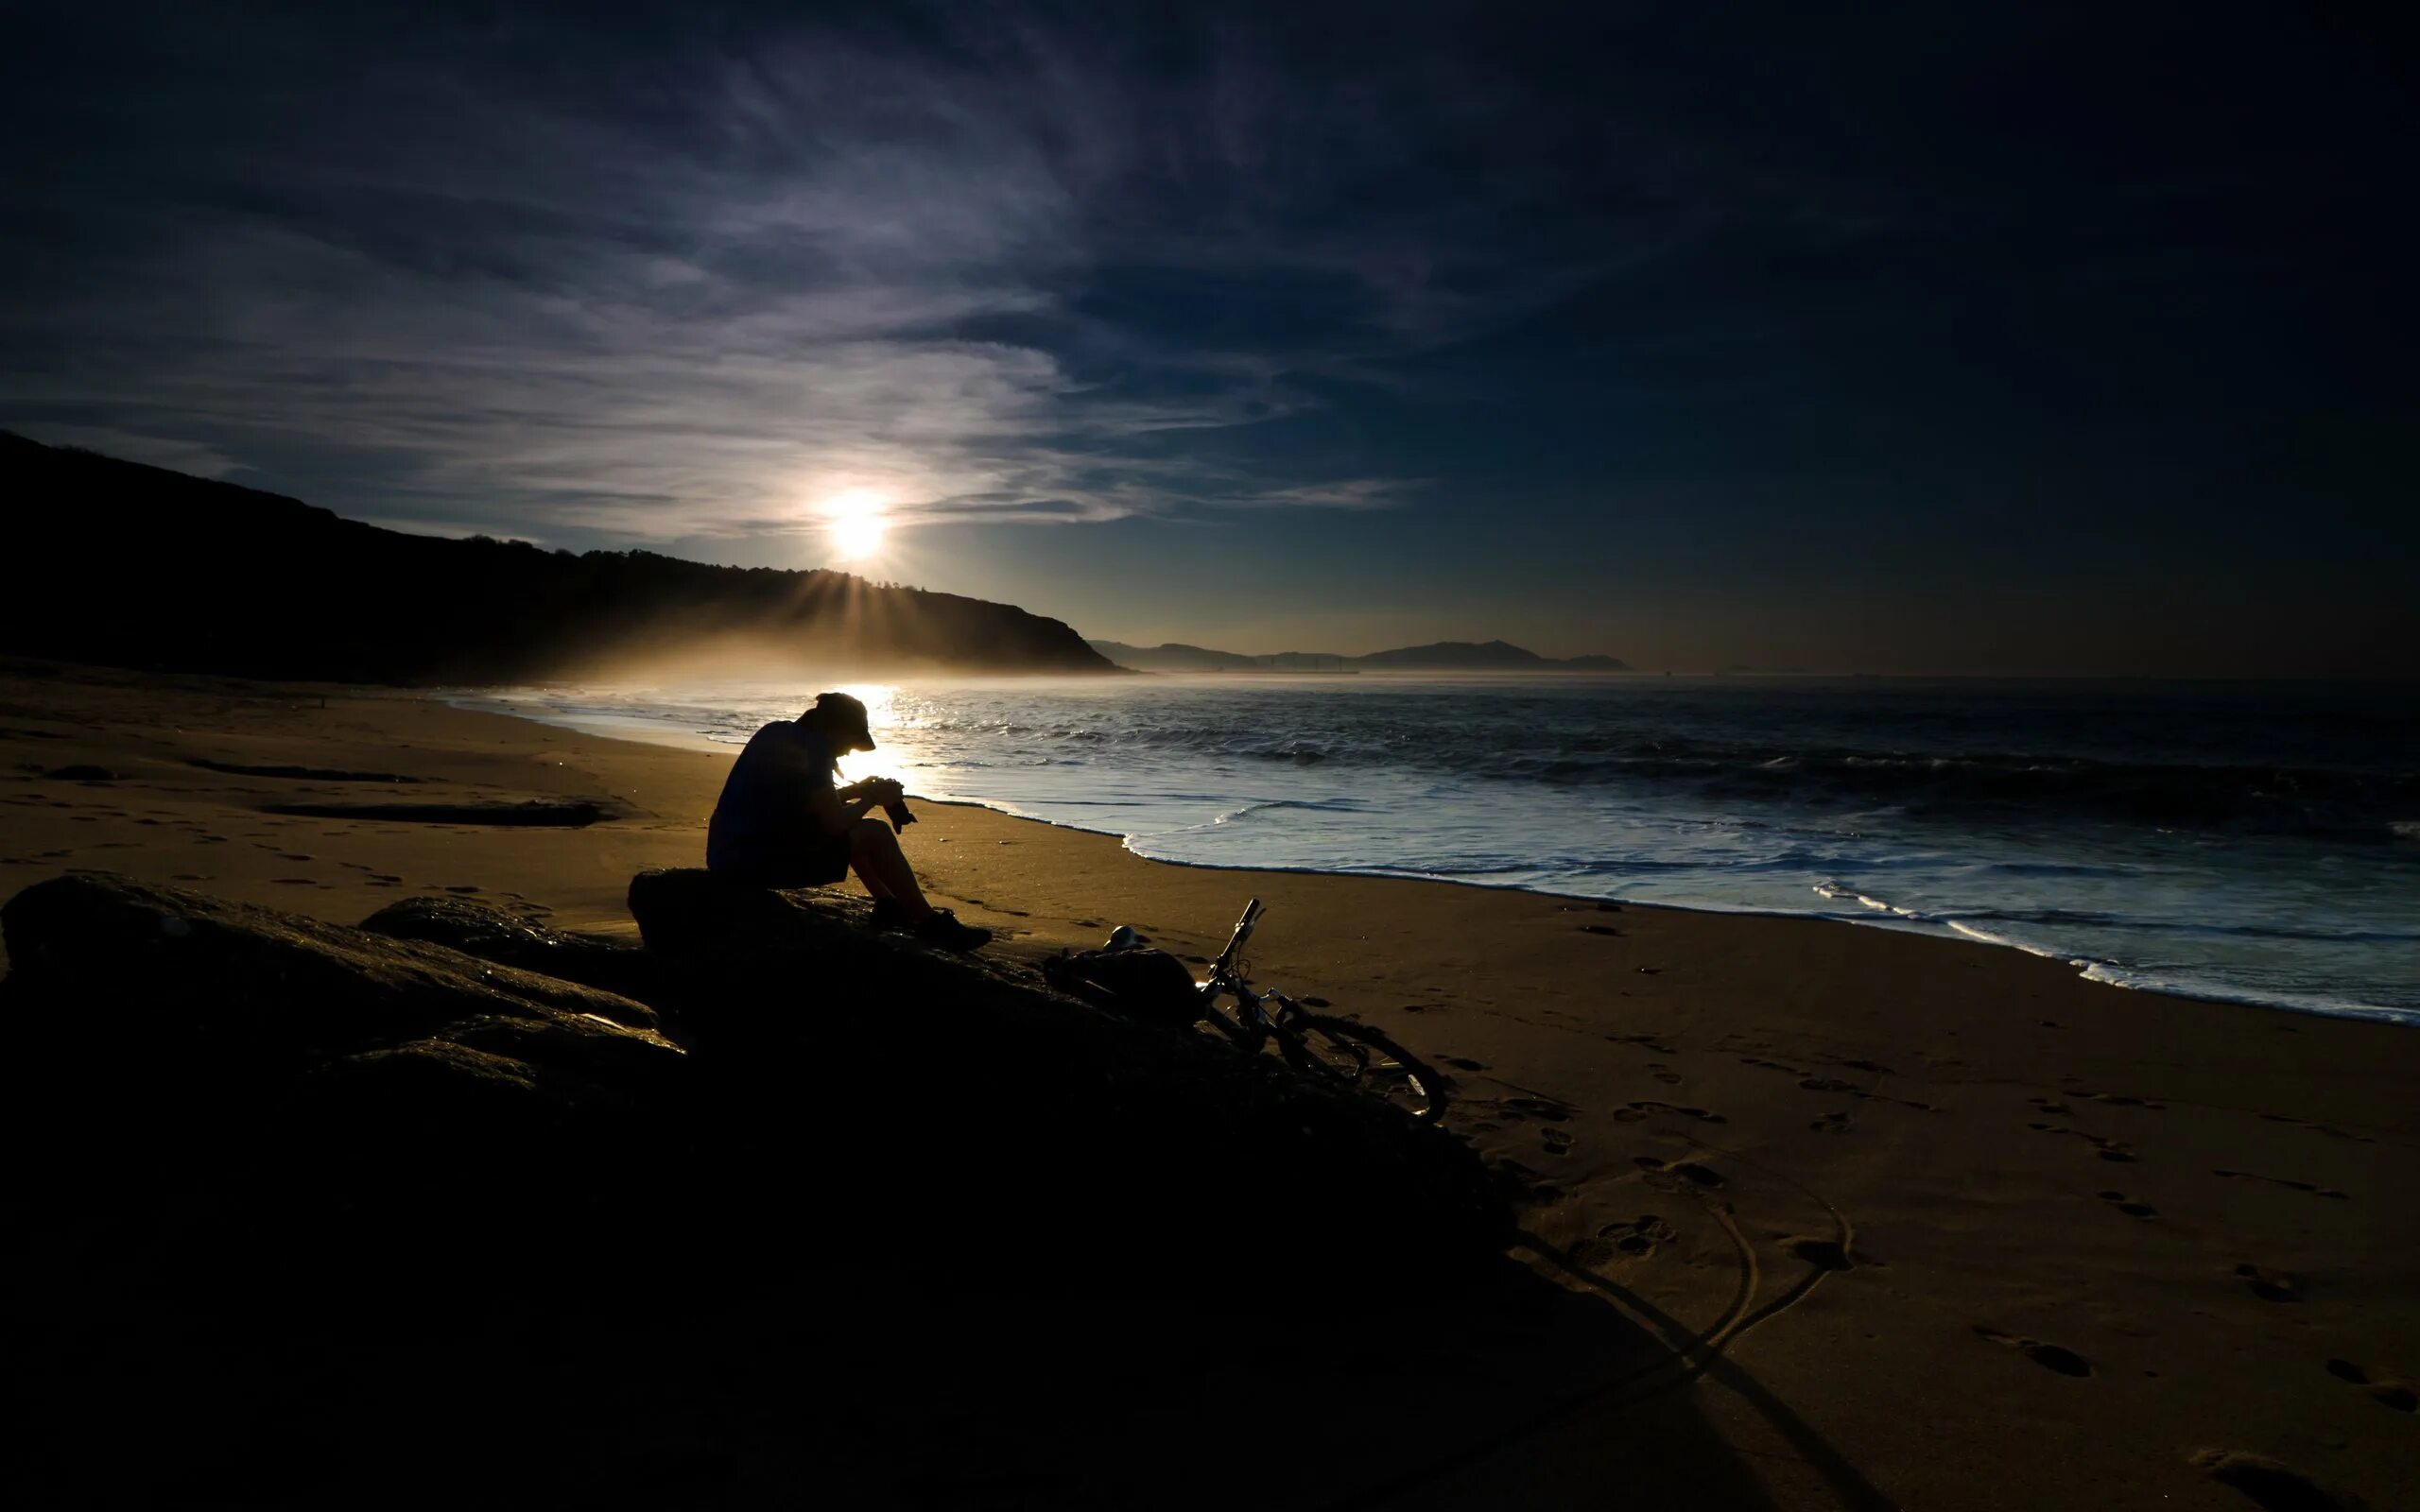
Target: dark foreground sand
[(1912, 1223)]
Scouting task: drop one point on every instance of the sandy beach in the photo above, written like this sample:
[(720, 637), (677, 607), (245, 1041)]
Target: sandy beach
[(1917, 1223)]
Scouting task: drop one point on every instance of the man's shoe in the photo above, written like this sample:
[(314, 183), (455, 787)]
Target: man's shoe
[(941, 927), (886, 915)]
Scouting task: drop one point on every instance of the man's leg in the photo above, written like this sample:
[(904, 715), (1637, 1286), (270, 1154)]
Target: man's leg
[(874, 855)]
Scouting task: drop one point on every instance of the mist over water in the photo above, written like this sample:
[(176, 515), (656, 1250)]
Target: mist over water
[(2251, 841)]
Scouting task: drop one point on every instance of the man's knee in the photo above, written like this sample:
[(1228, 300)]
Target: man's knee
[(871, 835)]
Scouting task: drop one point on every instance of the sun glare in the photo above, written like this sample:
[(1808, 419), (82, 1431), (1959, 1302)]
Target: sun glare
[(855, 523)]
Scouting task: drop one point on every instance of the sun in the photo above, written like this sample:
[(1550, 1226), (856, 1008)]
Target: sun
[(853, 519)]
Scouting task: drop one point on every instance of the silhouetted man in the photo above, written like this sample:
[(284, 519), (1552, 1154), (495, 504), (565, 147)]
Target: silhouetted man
[(780, 823)]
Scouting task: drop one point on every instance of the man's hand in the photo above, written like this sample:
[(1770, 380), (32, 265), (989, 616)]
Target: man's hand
[(883, 793)]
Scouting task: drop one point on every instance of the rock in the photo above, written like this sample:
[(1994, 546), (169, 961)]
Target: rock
[(193, 974), (355, 1095), (319, 1205), (194, 1066), (495, 934), (1067, 1123)]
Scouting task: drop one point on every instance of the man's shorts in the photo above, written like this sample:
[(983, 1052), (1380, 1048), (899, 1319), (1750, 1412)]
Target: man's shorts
[(815, 862)]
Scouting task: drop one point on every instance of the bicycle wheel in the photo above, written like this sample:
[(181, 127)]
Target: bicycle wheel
[(1357, 1055)]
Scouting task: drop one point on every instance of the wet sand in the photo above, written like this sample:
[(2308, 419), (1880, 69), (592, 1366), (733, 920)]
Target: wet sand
[(1916, 1221)]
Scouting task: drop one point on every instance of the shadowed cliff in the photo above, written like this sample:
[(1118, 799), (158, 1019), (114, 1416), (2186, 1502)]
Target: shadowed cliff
[(139, 566)]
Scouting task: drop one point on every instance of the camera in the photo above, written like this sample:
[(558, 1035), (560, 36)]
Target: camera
[(896, 805)]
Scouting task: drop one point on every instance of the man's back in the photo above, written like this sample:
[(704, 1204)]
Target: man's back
[(764, 818)]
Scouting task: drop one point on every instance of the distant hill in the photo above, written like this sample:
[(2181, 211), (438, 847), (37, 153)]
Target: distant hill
[(120, 563), (1444, 656)]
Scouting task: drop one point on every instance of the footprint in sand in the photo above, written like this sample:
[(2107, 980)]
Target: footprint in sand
[(2132, 1209), (2114, 1099), (2049, 1356), (1648, 1040), (1831, 1123), (1555, 1141), (1598, 929), (296, 881), (464, 887), (1464, 1063), (1697, 1113), (1689, 1171), (1526, 1188), (2271, 1485), (2270, 1285), (2313, 1187), (2329, 1129), (1552, 1112), (1641, 1237), (2385, 1392), (1824, 1254), (2115, 1150)]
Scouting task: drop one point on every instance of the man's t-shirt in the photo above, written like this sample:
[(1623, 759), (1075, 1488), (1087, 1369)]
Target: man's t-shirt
[(763, 825)]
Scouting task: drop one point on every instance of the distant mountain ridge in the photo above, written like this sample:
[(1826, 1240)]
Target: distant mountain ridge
[(121, 563), (1441, 655)]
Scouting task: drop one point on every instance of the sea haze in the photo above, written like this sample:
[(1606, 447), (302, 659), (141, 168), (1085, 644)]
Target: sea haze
[(2259, 842)]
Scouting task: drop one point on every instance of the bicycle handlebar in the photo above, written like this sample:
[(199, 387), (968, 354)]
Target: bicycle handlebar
[(1224, 967)]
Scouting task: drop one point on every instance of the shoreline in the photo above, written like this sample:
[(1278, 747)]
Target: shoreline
[(1934, 1180), (638, 729)]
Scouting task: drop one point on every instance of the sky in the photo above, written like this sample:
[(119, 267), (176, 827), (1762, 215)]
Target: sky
[(1916, 339)]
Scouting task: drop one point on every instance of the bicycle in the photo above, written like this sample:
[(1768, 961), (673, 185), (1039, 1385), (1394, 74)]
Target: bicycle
[(1337, 1051)]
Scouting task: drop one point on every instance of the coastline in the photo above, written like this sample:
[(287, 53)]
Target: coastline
[(1849, 905), (1877, 1170)]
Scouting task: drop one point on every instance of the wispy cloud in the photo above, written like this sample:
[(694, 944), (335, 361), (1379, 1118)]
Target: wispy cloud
[(810, 264)]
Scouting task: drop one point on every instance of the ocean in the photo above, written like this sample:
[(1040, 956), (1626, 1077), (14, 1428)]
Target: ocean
[(2254, 842)]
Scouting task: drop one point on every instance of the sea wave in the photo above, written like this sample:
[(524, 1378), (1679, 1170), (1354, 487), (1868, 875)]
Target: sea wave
[(2247, 843)]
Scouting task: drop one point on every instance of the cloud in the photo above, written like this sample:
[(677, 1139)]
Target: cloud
[(452, 294)]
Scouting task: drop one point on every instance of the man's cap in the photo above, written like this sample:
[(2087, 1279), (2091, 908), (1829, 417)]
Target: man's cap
[(845, 716)]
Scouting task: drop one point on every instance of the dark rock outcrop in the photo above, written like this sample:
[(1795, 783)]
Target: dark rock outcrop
[(494, 934), (326, 1212), (251, 1084), (313, 1078), (1060, 1117)]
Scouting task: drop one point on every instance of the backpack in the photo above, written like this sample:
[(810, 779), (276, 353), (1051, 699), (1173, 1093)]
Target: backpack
[(1147, 984)]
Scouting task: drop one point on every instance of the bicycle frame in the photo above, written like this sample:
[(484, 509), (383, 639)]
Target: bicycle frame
[(1252, 1024)]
